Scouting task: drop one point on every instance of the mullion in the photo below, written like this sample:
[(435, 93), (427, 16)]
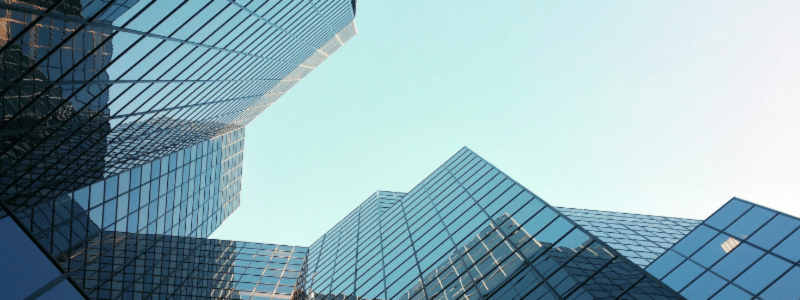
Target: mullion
[(69, 119)]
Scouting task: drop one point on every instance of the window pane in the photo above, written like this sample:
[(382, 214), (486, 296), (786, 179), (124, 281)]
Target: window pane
[(749, 223), (790, 248), (704, 287), (762, 273), (772, 233), (732, 293), (711, 252), (682, 275), (736, 261), (694, 240), (785, 288), (665, 264), (727, 214)]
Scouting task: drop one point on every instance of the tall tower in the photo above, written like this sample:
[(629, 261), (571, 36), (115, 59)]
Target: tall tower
[(123, 120)]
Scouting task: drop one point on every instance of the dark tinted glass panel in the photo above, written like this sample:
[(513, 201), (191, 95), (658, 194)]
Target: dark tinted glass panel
[(24, 267), (62, 291)]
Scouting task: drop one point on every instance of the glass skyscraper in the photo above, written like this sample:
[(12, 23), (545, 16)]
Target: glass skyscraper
[(122, 151), (122, 138)]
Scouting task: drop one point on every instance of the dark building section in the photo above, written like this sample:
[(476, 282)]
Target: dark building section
[(27, 271), (468, 231), (743, 251)]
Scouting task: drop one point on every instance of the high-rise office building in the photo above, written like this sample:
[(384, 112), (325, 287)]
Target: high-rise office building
[(122, 148), (95, 88), (743, 251), (122, 131)]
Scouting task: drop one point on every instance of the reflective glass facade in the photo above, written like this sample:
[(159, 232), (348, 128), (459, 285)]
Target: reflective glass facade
[(94, 87), (188, 193), (743, 251), (123, 126), (640, 238), (172, 267), (468, 231)]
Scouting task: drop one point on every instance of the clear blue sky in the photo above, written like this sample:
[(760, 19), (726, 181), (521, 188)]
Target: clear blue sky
[(650, 107)]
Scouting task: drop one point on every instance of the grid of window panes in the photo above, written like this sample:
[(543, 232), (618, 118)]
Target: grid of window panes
[(266, 271), (97, 87), (159, 267), (743, 251), (468, 232), (640, 238), (357, 238), (188, 193)]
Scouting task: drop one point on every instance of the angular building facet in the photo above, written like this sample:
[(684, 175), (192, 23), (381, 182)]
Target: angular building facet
[(743, 251), (640, 238), (468, 231)]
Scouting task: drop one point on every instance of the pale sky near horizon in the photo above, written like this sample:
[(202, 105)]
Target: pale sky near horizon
[(649, 107)]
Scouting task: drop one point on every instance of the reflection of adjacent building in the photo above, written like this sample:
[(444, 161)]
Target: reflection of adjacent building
[(136, 266), (641, 238), (467, 231), (483, 260), (181, 197), (53, 134)]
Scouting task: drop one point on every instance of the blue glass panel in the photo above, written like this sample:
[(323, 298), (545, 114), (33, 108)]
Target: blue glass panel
[(694, 240), (790, 248), (711, 252), (704, 287), (775, 231), (727, 214), (762, 273), (664, 264), (732, 293), (682, 275), (24, 267), (750, 222), (787, 287), (62, 291), (736, 261)]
